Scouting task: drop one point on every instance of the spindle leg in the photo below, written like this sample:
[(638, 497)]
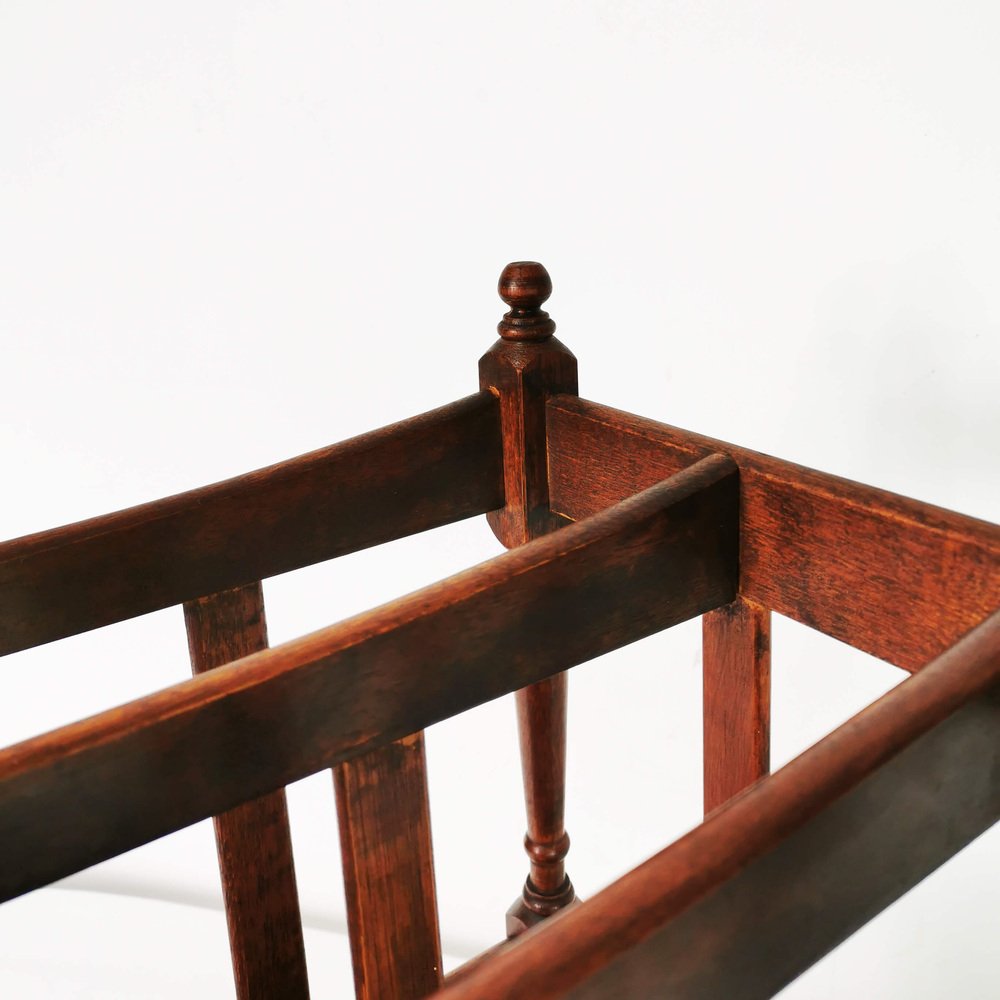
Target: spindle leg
[(541, 719), (524, 367), (253, 840), (385, 840), (736, 644)]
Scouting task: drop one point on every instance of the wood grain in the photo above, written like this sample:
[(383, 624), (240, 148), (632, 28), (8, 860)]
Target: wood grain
[(253, 840), (783, 873), (522, 374), (899, 579), (541, 712), (99, 787), (385, 839), (736, 673), (523, 369), (418, 474)]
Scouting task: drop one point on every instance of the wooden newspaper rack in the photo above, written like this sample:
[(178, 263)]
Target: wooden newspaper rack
[(617, 527)]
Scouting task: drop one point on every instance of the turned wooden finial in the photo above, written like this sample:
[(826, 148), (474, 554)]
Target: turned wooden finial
[(525, 285)]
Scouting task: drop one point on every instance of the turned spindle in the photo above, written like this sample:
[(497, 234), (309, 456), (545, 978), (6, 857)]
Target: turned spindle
[(524, 368)]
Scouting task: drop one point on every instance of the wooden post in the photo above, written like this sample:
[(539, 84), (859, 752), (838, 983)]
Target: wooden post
[(253, 840), (736, 655), (524, 368), (385, 841)]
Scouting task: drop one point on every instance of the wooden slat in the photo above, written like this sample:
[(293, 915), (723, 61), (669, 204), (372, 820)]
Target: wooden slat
[(418, 474), (466, 969), (385, 843), (782, 874), (736, 673), (253, 840), (896, 578), (102, 786)]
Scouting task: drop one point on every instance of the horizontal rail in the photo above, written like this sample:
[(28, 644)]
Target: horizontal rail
[(102, 786), (899, 579), (787, 870), (421, 473)]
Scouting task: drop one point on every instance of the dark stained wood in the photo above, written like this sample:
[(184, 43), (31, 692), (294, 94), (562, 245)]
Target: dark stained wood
[(541, 718), (736, 673), (522, 374), (99, 787), (421, 473), (899, 579), (783, 869), (523, 369), (783, 873), (385, 838), (467, 968), (253, 840), (525, 287)]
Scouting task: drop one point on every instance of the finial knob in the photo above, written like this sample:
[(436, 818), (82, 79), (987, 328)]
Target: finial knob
[(525, 285)]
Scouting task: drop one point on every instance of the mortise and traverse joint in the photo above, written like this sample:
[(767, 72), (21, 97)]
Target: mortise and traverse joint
[(524, 368)]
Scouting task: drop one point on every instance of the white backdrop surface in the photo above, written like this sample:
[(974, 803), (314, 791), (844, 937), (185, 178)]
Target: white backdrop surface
[(231, 233)]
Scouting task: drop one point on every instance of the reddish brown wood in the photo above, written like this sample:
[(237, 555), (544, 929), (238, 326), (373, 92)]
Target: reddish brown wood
[(899, 579), (522, 373), (408, 477), (385, 840), (736, 658), (780, 875), (525, 286), (541, 716), (467, 968), (524, 368), (104, 785), (254, 842)]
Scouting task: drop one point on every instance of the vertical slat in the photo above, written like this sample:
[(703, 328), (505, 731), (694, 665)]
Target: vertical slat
[(385, 841), (736, 644), (253, 840), (524, 367)]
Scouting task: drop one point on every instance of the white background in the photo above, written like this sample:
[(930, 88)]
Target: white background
[(231, 233)]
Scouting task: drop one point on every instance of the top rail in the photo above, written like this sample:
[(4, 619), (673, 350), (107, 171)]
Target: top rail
[(98, 787), (420, 473), (784, 872), (899, 579)]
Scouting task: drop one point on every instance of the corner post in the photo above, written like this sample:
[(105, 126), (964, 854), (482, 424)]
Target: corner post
[(523, 368)]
